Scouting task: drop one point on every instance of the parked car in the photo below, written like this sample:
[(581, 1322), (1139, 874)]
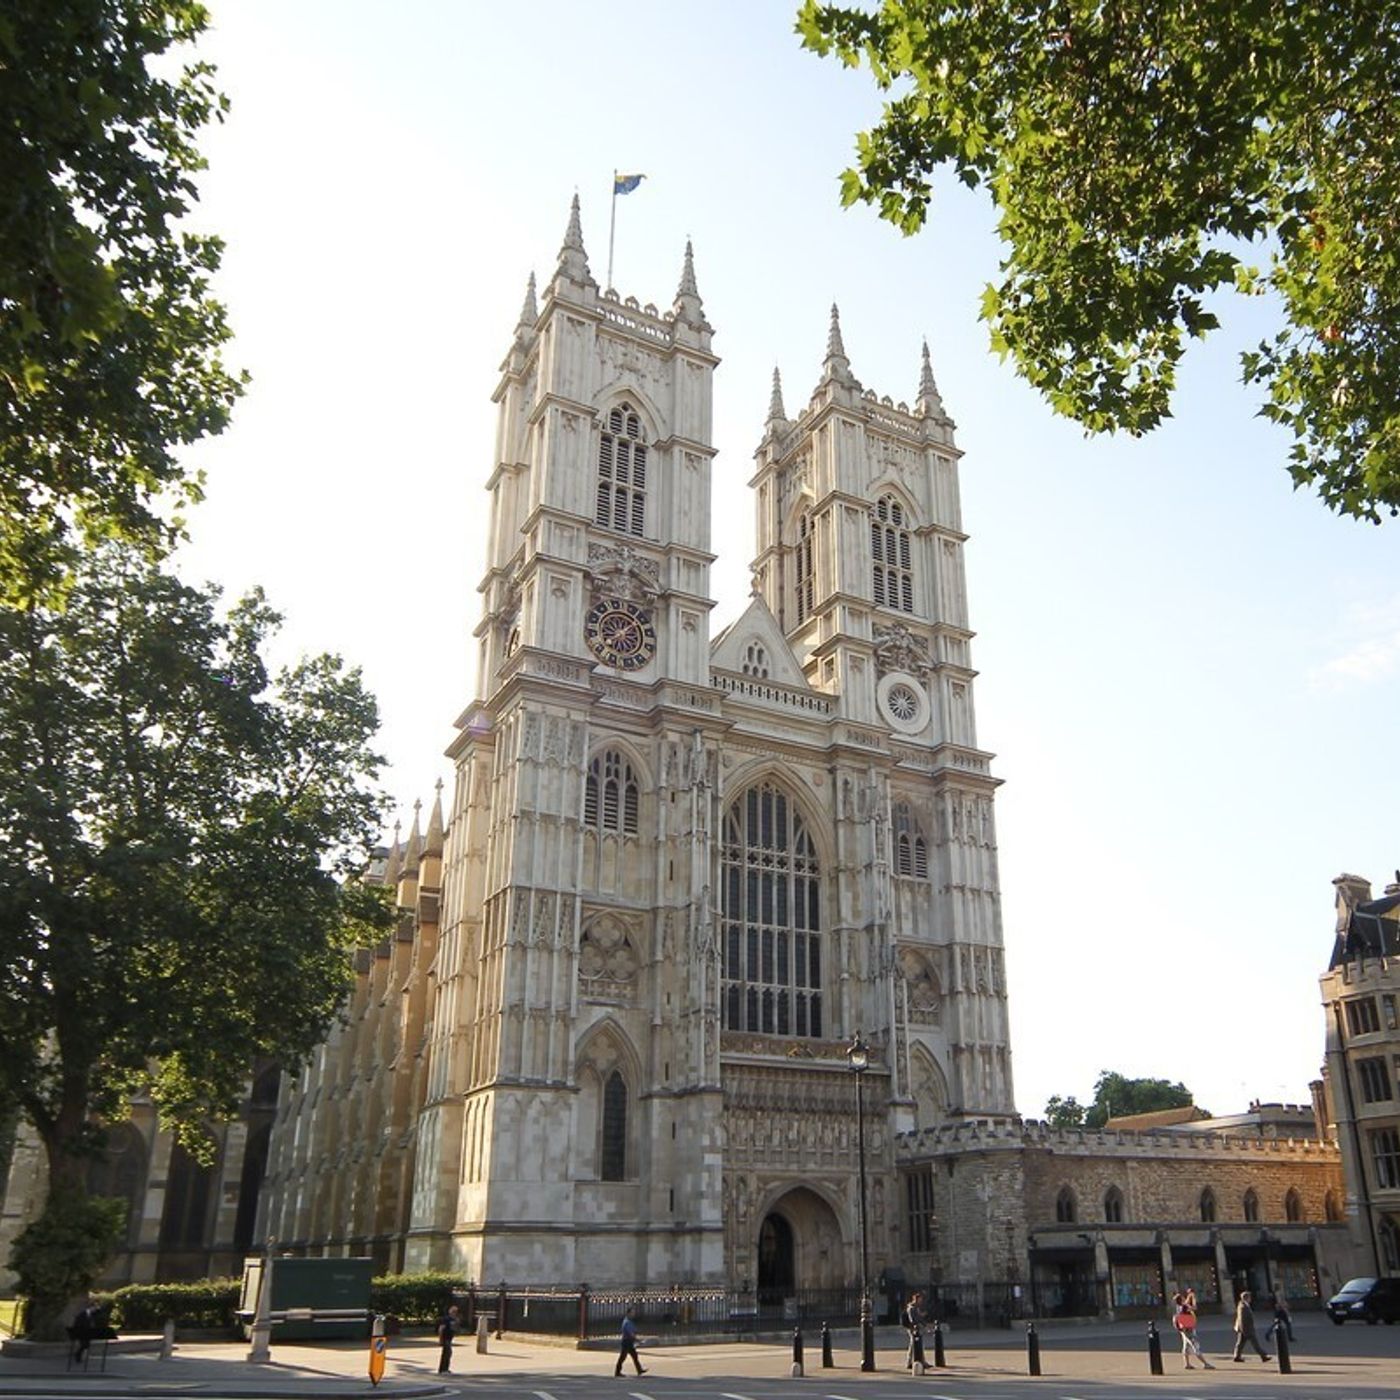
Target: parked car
[(1370, 1300)]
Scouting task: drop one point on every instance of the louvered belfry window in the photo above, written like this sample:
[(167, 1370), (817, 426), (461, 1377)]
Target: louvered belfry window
[(892, 554), (804, 574), (610, 794), (622, 473), (910, 847)]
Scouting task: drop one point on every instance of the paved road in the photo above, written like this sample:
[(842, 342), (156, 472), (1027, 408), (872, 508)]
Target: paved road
[(1100, 1362)]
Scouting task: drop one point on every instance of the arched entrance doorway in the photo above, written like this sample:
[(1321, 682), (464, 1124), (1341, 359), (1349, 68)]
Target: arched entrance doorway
[(799, 1248), (775, 1261)]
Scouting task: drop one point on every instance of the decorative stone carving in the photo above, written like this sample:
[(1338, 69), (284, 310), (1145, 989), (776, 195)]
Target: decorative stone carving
[(607, 958), (924, 991), (899, 649), (619, 571)]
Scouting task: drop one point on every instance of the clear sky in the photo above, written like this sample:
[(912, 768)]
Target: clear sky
[(1188, 673)]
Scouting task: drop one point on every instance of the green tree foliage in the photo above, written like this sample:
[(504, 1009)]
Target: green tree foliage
[(1064, 1113), (1116, 1096), (109, 339), (177, 833), (1134, 151)]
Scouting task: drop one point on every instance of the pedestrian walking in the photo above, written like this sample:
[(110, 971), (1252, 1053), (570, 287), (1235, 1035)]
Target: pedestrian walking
[(628, 1345), (913, 1324), (1283, 1318), (447, 1329), (1184, 1320), (1244, 1327)]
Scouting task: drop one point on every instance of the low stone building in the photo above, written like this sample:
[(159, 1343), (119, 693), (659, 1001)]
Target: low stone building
[(1078, 1221)]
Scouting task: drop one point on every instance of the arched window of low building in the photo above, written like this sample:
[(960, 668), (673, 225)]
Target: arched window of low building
[(1208, 1206), (1332, 1208), (1389, 1234), (1251, 1206), (1113, 1206), (1066, 1208), (1293, 1206)]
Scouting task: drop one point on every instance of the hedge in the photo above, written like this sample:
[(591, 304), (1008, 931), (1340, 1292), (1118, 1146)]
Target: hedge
[(143, 1307), (415, 1299)]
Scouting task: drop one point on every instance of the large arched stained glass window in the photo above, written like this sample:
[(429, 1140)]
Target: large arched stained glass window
[(772, 924)]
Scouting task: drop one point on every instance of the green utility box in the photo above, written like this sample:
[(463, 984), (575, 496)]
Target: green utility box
[(309, 1299)]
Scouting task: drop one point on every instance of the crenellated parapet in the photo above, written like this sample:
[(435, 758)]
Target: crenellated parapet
[(994, 1134)]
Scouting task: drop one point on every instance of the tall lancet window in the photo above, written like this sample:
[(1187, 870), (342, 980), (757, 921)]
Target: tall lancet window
[(622, 473), (612, 1164), (803, 573), (772, 924), (610, 794), (892, 554)]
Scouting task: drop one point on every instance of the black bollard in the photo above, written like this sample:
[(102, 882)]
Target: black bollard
[(1154, 1350), (797, 1351), (827, 1362), (939, 1359), (920, 1363), (1285, 1362), (1032, 1350)]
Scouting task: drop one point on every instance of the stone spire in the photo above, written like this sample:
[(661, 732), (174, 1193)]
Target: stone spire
[(414, 849), (930, 401), (688, 306), (836, 366), (529, 312), (776, 412), (835, 346), (432, 842), (573, 261), (395, 857)]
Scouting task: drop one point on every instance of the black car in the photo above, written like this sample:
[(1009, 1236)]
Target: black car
[(1368, 1299)]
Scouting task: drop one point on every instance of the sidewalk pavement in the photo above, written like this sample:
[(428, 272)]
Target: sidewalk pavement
[(329, 1371)]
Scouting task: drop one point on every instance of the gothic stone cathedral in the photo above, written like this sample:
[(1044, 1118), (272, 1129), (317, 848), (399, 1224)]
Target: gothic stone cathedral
[(679, 871)]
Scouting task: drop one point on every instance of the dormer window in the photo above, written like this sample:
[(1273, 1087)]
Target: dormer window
[(892, 555), (622, 473)]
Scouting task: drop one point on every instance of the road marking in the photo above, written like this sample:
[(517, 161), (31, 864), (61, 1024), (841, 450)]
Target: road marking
[(544, 1395)]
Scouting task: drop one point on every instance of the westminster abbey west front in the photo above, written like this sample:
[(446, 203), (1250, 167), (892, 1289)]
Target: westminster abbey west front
[(679, 870)]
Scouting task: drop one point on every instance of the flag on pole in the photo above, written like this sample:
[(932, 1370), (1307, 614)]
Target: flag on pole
[(625, 184)]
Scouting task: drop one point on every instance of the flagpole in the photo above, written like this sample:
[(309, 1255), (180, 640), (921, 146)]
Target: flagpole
[(612, 230)]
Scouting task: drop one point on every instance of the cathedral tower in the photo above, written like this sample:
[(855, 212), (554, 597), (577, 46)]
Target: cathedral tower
[(572, 1123), (860, 558)]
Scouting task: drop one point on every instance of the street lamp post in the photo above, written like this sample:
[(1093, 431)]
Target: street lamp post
[(858, 1056)]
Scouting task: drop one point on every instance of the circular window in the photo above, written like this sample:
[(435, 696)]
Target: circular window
[(903, 702)]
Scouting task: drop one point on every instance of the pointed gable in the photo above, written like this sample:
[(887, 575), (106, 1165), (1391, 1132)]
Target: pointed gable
[(754, 645)]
